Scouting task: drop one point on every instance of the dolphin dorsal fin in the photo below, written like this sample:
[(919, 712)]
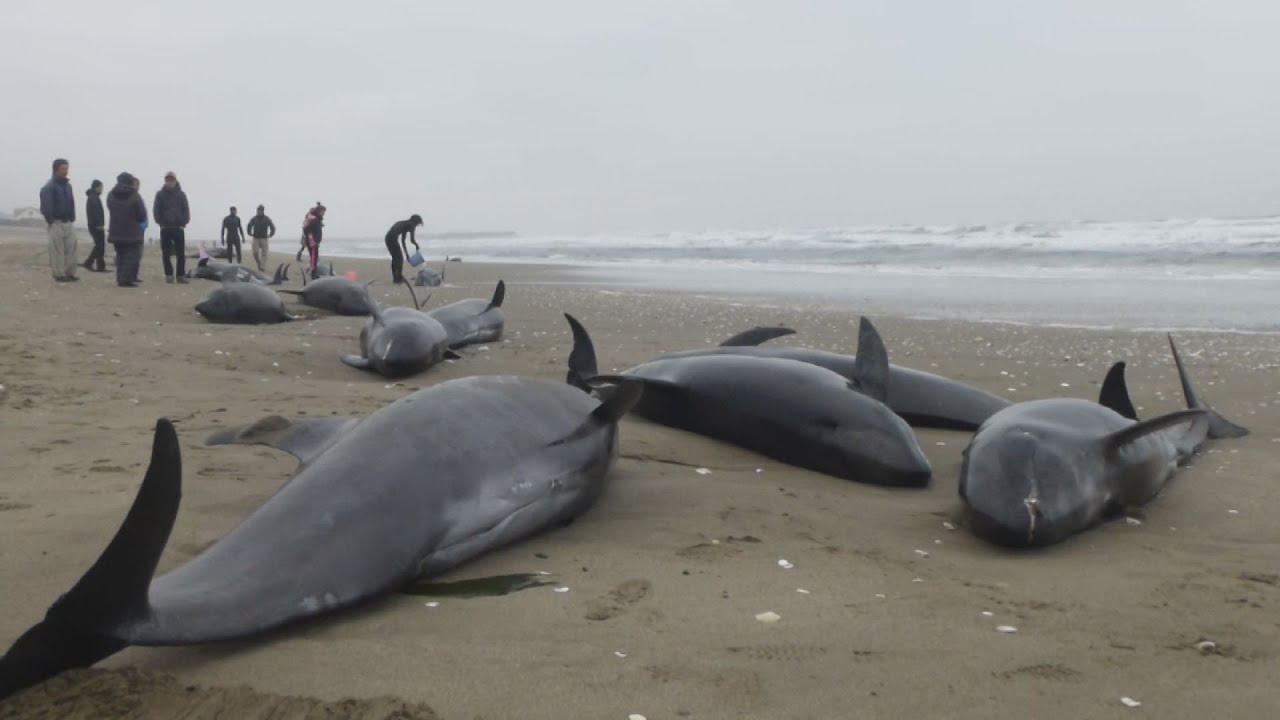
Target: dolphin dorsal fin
[(871, 366), (582, 359), (1115, 393), (304, 439), (499, 294), (756, 336), (1118, 439)]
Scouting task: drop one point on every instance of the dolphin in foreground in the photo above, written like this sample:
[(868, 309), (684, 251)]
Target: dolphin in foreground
[(792, 411), (1039, 472), (922, 399), (243, 303), (417, 488), (399, 342), (473, 321)]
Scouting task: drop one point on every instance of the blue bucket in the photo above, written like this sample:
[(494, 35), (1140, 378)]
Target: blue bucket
[(416, 259)]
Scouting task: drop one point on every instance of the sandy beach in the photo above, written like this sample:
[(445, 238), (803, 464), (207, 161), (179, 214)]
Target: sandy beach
[(889, 610)]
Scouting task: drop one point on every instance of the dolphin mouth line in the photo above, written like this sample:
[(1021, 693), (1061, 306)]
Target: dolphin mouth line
[(1033, 514)]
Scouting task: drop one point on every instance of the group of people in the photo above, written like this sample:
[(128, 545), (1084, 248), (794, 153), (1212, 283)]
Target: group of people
[(128, 221)]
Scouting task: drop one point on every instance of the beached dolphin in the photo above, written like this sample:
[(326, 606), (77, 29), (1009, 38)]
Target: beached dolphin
[(205, 270), (473, 321), (921, 398), (793, 411), (322, 271), (335, 294), (399, 341), (244, 303), (417, 488), (1039, 472)]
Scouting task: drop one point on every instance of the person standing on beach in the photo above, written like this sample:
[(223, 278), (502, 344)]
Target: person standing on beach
[(97, 219), (306, 221), (172, 213), (128, 221), (261, 229), (398, 232), (312, 233), (233, 235), (58, 206)]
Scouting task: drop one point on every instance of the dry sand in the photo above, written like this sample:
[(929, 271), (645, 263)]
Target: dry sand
[(666, 574)]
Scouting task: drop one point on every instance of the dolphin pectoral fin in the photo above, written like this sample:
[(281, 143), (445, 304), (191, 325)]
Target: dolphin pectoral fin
[(1116, 441), (1115, 393), (499, 294), (291, 292), (304, 439), (619, 402), (582, 359), (871, 366), (451, 355), (756, 336), (1219, 426), (356, 361), (89, 622)]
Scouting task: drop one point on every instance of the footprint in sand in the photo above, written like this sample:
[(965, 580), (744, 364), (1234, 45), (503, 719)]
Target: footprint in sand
[(618, 600)]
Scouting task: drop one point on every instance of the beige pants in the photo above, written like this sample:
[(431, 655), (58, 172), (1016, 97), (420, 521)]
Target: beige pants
[(260, 252), (62, 250)]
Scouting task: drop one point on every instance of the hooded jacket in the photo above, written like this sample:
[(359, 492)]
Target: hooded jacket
[(93, 209), (57, 204), (128, 212), (170, 208)]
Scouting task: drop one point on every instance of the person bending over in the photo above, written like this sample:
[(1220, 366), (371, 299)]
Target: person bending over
[(399, 232)]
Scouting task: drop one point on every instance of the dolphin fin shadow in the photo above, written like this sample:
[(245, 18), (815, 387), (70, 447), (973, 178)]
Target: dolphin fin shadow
[(304, 439)]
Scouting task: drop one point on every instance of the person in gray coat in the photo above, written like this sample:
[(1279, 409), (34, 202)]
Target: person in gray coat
[(128, 220)]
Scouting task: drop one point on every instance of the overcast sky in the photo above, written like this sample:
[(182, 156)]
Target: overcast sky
[(591, 115)]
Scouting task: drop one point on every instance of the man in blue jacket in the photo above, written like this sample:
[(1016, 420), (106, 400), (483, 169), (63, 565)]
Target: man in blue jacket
[(58, 206), (172, 213)]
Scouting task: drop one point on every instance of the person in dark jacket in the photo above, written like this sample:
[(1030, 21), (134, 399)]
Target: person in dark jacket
[(97, 220), (58, 206), (172, 213), (233, 235), (261, 229), (128, 220), (398, 232)]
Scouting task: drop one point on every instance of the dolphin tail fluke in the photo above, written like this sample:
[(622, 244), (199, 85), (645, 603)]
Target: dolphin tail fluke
[(417, 305), (582, 360), (499, 294), (86, 624), (375, 311), (756, 336), (871, 366), (1115, 393), (1219, 426)]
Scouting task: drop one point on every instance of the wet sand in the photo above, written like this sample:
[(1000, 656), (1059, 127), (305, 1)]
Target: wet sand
[(666, 574)]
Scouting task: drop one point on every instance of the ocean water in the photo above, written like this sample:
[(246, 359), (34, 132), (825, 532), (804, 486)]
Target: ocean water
[(1201, 273), (1203, 247)]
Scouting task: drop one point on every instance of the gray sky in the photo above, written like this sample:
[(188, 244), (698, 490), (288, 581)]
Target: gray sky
[(572, 116)]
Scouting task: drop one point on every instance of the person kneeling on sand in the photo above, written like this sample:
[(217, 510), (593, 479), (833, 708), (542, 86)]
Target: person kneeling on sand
[(128, 220)]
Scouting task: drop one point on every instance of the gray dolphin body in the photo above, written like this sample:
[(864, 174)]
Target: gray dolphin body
[(243, 303), (473, 321), (1039, 472), (796, 412), (220, 271), (418, 487), (335, 294), (921, 398), (399, 342)]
